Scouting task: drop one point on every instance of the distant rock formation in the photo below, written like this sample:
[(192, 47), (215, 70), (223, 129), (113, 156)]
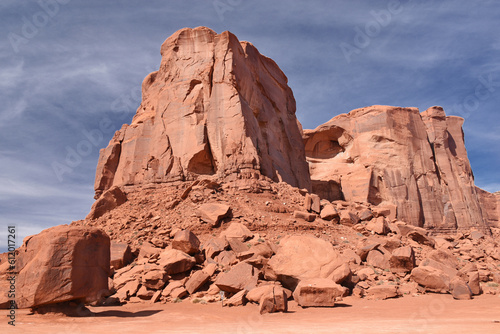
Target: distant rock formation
[(383, 154), (216, 107)]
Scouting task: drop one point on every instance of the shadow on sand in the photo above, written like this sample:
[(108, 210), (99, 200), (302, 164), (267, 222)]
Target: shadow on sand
[(124, 314)]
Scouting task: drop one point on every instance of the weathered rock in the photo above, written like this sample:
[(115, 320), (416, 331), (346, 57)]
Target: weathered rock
[(154, 279), (174, 289), (317, 292), (210, 269), (313, 203), (402, 260), (237, 231), (237, 300), (340, 274), (174, 261), (196, 281), (186, 242), (378, 259), (329, 212), (120, 255), (432, 279), (378, 225), (302, 257), (128, 290), (366, 214), (60, 264), (213, 213), (144, 293), (177, 133), (109, 200), (473, 282), (226, 259), (383, 291), (147, 250), (242, 276), (274, 300), (397, 156), (348, 218), (214, 246), (308, 217), (459, 289), (421, 238)]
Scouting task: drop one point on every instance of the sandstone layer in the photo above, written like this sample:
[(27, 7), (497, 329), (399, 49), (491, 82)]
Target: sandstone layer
[(216, 107), (391, 155)]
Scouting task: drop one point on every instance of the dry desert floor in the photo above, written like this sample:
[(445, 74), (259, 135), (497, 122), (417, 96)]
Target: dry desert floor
[(424, 314)]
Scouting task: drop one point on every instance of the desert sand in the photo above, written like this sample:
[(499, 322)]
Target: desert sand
[(433, 313)]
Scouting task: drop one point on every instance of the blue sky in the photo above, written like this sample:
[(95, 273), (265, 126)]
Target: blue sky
[(71, 70)]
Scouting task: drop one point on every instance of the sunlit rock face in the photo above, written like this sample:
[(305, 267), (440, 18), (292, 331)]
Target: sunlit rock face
[(216, 107), (392, 155)]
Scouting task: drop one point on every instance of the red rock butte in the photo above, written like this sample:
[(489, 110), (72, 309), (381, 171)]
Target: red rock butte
[(218, 109)]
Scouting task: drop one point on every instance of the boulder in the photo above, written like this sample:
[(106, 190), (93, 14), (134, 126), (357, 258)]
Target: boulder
[(174, 289), (473, 282), (302, 257), (378, 259), (383, 291), (109, 200), (459, 289), (274, 300), (316, 292), (308, 217), (329, 212), (378, 226), (174, 261), (402, 260), (348, 218), (196, 281), (214, 246), (431, 279), (128, 290), (237, 231), (213, 213), (421, 238), (242, 276), (154, 279), (60, 264), (186, 242), (238, 299), (120, 255)]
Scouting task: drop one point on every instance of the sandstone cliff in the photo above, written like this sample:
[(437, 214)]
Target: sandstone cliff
[(383, 154), (216, 107)]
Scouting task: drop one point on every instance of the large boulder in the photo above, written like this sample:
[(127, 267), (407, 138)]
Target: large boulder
[(302, 257), (242, 276), (109, 200), (213, 213), (61, 264), (316, 292), (174, 261), (186, 242), (432, 279)]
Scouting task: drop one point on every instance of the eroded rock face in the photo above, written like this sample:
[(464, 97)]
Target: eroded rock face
[(216, 106), (383, 154)]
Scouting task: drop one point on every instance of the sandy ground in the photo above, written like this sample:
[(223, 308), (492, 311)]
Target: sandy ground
[(424, 314)]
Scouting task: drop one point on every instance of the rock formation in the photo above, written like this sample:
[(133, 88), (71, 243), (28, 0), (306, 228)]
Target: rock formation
[(215, 107), (417, 161), (60, 264)]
